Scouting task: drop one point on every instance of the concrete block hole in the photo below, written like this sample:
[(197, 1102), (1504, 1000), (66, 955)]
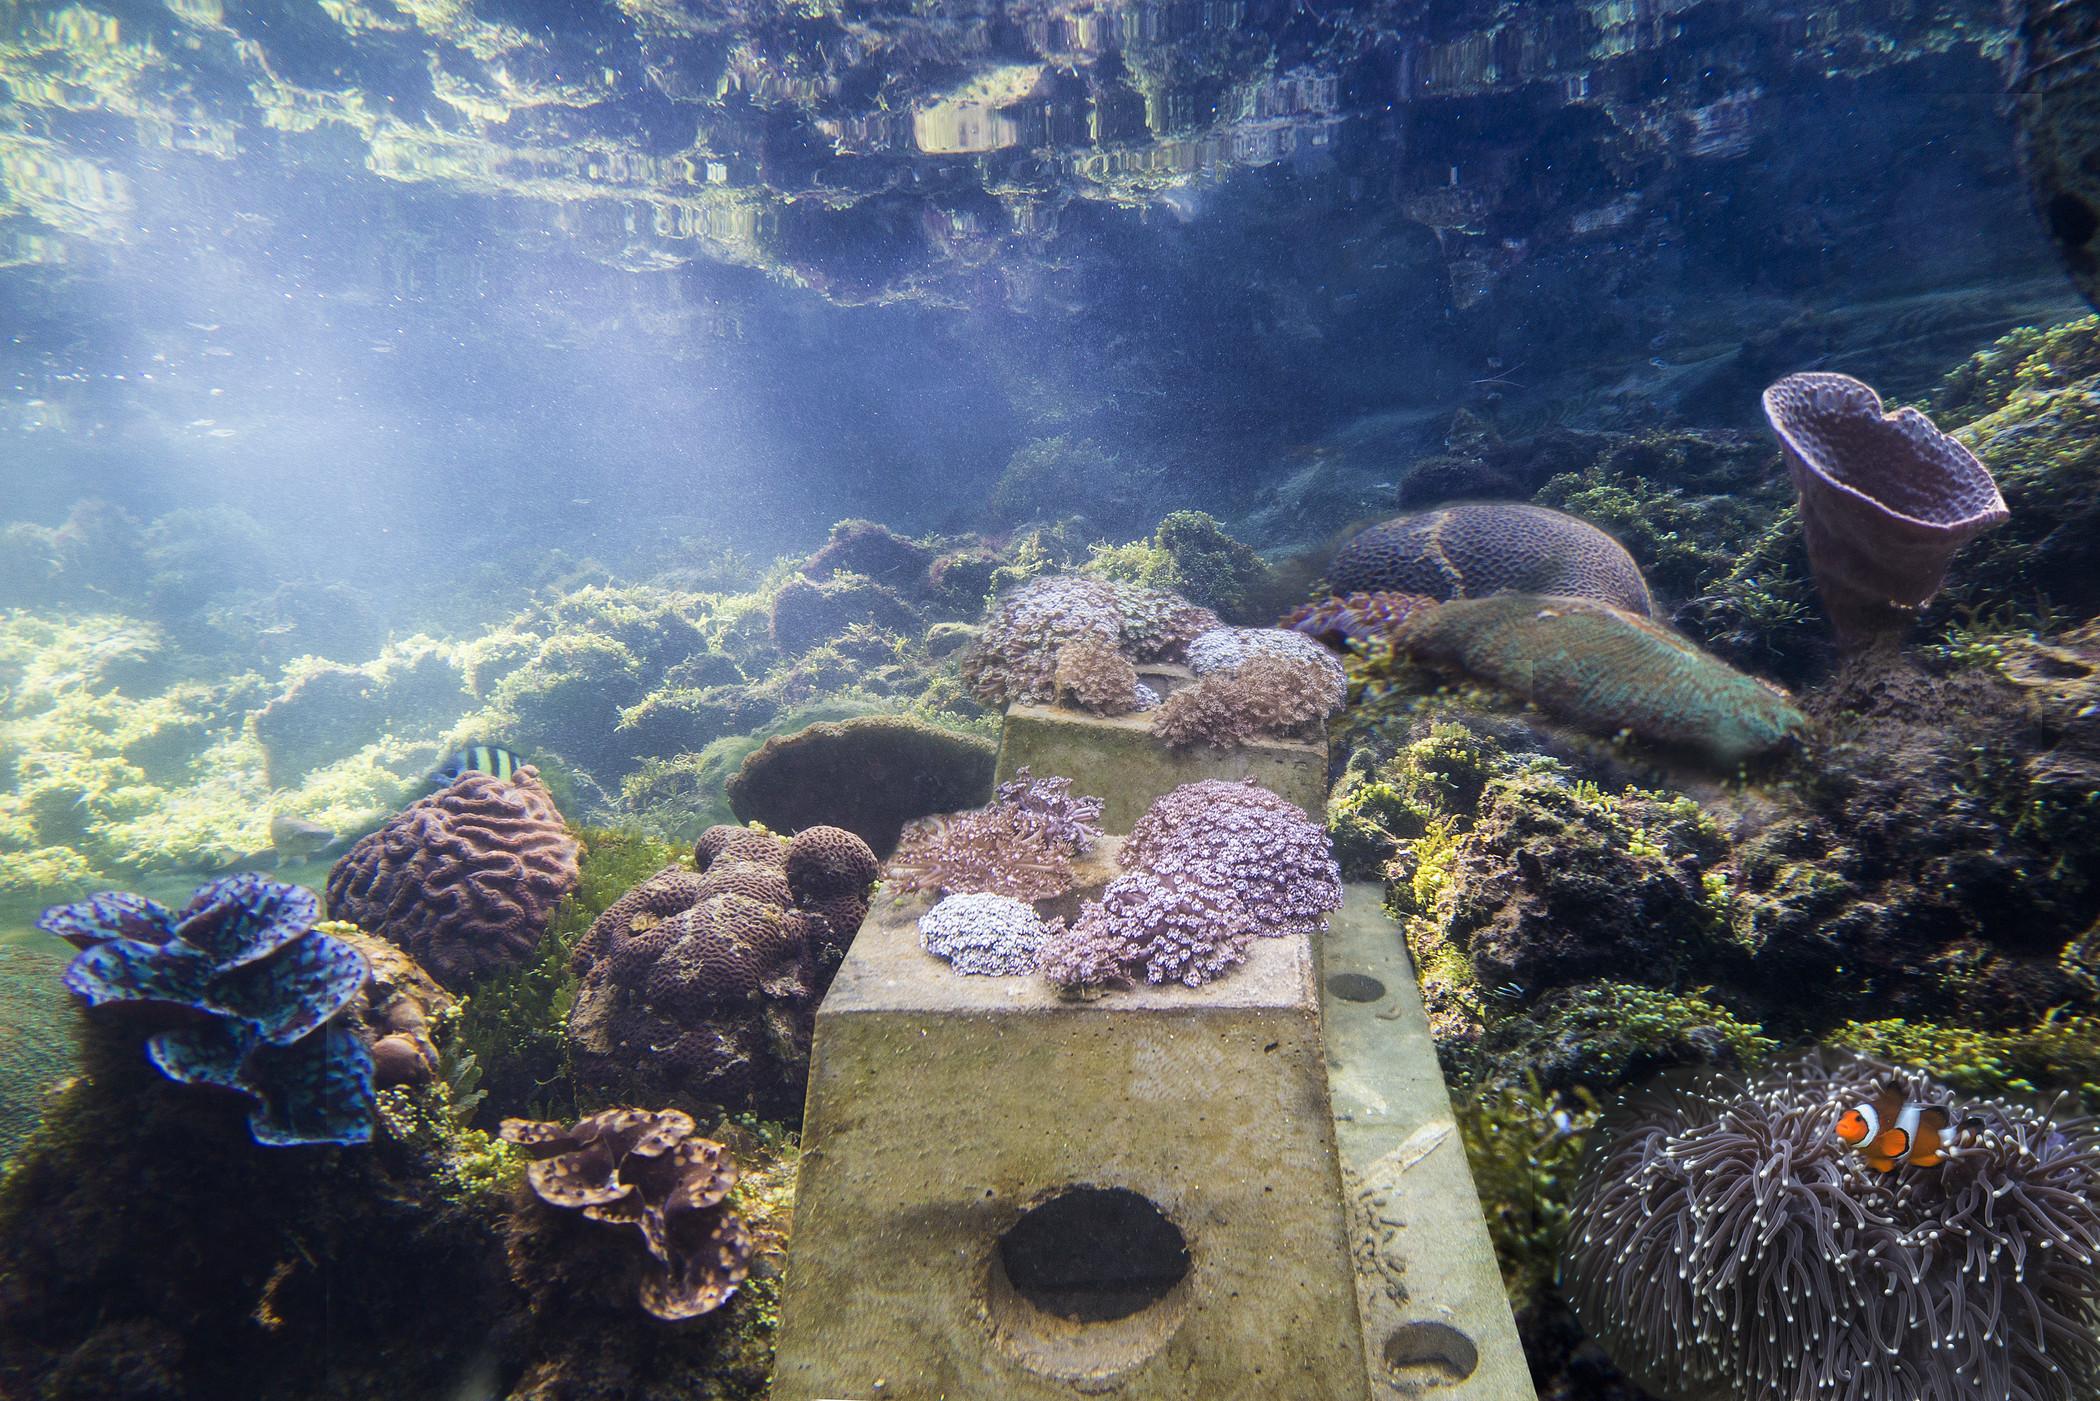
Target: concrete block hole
[(1430, 1353), (1087, 1283), (1355, 987)]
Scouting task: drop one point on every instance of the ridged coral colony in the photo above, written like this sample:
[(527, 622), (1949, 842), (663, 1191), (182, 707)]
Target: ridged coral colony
[(465, 879), (1725, 1245), (1022, 845), (251, 993), (1211, 866), (705, 985)]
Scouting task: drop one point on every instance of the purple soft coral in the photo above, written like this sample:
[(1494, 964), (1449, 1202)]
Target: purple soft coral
[(1213, 865), (1021, 846)]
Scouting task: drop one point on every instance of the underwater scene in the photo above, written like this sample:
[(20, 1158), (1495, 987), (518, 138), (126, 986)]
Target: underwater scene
[(1259, 700)]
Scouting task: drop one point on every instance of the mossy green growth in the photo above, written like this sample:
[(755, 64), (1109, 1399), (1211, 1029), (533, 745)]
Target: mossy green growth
[(1191, 554), (1377, 805), (513, 1024), (1525, 1147), (1612, 1033), (2028, 406), (2061, 1051), (471, 1168)]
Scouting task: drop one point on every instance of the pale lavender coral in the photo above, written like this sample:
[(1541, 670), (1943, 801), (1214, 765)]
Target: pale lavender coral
[(1143, 927), (1226, 649), (1243, 847), (1213, 865), (991, 935)]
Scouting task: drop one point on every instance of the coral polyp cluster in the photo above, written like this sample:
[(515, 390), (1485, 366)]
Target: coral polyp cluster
[(1021, 845), (1211, 867), (1017, 657)]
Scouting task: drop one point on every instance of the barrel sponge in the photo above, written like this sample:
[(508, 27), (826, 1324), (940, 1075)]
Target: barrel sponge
[(1477, 548), (1606, 670), (1886, 498), (466, 879)]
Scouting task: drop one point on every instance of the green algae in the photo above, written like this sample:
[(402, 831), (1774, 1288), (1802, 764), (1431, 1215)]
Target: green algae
[(2061, 1051), (513, 1024), (1525, 1147)]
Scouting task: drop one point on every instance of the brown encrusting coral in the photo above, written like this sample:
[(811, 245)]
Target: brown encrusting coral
[(702, 988), (465, 879), (649, 1170), (1265, 697), (1094, 675)]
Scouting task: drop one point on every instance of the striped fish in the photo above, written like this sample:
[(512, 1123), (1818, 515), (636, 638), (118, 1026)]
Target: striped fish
[(1893, 1128), (476, 758)]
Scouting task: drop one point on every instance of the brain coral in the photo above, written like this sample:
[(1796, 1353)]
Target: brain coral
[(465, 879), (1886, 498), (251, 994), (1606, 670), (1723, 1243), (632, 1167), (703, 987), (1479, 548), (1016, 657)]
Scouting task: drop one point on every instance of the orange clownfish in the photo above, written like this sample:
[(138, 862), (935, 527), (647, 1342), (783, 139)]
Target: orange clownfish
[(1891, 1128)]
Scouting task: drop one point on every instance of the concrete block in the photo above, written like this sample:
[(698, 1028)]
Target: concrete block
[(1006, 1195), (1436, 1320), (1115, 758)]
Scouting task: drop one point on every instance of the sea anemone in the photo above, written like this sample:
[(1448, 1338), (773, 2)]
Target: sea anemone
[(1724, 1244)]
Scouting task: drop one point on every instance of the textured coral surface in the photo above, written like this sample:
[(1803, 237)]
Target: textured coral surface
[(465, 879), (1484, 547)]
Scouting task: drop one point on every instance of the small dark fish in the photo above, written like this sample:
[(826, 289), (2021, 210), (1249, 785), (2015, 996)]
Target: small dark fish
[(476, 758)]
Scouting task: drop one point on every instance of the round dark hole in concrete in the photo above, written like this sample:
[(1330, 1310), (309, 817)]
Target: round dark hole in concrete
[(1091, 1254), (1431, 1352), (1355, 987)]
